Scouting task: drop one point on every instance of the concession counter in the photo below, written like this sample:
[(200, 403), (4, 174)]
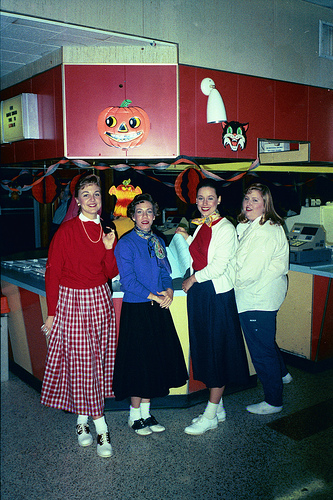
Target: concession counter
[(23, 284), (304, 325), (305, 319)]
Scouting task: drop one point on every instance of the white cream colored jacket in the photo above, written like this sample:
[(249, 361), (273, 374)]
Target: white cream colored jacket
[(221, 256), (262, 263)]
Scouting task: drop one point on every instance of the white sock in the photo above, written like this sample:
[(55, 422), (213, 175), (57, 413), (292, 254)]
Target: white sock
[(82, 419), (101, 425), (145, 410), (135, 413), (211, 410), (220, 406)]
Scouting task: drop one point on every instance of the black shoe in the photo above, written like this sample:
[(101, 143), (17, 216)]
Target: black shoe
[(153, 425), (139, 427)]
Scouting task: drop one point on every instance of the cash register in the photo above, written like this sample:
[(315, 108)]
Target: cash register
[(307, 244)]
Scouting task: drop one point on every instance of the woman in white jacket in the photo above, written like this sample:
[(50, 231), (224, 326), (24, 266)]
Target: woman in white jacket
[(216, 342), (262, 263)]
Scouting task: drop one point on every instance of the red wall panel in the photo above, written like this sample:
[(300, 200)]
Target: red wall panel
[(58, 112), (7, 154), (320, 124), (197, 137), (291, 111), (246, 99), (155, 87), (210, 134), (24, 150), (48, 87), (91, 89), (322, 318), (256, 107), (187, 111), (274, 110)]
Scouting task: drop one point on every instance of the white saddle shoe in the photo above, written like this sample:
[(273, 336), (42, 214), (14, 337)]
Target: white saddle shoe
[(83, 435), (201, 426), (221, 417)]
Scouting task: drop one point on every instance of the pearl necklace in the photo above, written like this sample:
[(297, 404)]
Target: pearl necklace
[(92, 241)]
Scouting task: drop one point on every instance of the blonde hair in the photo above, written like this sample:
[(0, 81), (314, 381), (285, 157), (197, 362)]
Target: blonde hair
[(269, 210)]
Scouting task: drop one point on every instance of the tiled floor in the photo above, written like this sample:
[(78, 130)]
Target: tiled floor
[(291, 458)]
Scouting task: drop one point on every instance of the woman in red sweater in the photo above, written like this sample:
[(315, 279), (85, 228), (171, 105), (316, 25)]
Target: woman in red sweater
[(81, 320)]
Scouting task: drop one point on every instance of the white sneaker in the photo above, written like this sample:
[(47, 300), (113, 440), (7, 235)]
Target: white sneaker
[(202, 425), (104, 448), (287, 379), (221, 416), (83, 435), (263, 408)]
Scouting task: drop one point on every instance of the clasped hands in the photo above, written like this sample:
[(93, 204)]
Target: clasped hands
[(164, 299)]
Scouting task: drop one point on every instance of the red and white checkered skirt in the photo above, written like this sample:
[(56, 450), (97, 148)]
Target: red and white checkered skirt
[(81, 352)]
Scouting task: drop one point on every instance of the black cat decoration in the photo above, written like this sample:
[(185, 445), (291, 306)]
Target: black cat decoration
[(234, 135)]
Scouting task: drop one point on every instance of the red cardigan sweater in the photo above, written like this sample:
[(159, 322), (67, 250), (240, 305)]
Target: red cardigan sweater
[(75, 262)]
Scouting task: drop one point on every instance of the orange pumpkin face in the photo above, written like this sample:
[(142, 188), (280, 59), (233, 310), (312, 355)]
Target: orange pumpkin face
[(123, 127)]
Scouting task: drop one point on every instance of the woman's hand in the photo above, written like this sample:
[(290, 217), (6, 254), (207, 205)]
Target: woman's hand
[(164, 299), (108, 239), (188, 283), (167, 298), (182, 231), (46, 328)]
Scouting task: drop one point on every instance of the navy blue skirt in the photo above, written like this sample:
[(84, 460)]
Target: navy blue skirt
[(216, 341)]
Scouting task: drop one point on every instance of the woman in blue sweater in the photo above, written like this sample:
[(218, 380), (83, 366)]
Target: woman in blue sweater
[(149, 358)]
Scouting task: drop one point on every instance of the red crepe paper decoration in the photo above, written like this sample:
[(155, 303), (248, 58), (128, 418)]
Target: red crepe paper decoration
[(186, 184), (47, 190)]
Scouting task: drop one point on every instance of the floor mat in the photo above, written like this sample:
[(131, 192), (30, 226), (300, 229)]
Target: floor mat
[(307, 422)]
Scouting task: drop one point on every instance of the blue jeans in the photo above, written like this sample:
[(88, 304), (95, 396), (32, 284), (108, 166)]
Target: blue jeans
[(259, 329)]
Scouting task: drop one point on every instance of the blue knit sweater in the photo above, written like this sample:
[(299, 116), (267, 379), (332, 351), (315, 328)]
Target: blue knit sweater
[(139, 273)]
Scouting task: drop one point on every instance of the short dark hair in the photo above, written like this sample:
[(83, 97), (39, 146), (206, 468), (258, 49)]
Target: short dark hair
[(140, 198), (206, 182), (86, 180)]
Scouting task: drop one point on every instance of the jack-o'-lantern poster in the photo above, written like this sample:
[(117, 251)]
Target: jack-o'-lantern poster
[(123, 126), (120, 111)]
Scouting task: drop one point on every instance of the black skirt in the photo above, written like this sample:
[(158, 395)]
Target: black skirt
[(149, 358), (216, 341)]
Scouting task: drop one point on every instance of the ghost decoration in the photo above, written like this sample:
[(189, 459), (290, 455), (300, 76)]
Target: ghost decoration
[(124, 193)]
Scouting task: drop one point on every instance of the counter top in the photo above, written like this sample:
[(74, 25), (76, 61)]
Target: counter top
[(36, 283), (315, 268), (33, 283)]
